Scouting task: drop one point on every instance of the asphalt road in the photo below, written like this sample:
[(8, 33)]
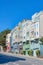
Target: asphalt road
[(19, 60)]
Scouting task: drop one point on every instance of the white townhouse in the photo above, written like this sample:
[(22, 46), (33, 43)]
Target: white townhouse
[(34, 30), (38, 24), (14, 40), (26, 30)]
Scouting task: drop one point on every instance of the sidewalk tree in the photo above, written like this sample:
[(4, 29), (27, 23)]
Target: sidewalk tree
[(3, 37), (41, 39), (30, 52), (38, 53)]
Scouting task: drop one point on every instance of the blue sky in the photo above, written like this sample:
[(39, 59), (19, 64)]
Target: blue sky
[(13, 11)]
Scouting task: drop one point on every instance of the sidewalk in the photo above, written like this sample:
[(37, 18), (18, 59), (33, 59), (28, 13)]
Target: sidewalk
[(19, 55)]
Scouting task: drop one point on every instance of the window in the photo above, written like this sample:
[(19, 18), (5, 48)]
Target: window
[(35, 48), (24, 37), (36, 18), (37, 33), (27, 42), (23, 42), (27, 49), (16, 36), (27, 33), (37, 25), (26, 24), (32, 32), (20, 48), (11, 47), (36, 40)]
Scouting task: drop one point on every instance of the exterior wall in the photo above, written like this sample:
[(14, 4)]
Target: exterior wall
[(26, 35), (15, 48), (1, 48), (34, 46), (41, 25), (20, 48), (36, 22), (16, 39), (8, 41), (26, 30), (26, 47), (38, 18), (14, 44), (32, 31), (36, 30), (41, 50)]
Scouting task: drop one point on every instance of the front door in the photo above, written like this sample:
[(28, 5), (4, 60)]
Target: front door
[(34, 53)]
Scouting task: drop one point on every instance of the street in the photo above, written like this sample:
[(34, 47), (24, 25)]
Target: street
[(19, 60)]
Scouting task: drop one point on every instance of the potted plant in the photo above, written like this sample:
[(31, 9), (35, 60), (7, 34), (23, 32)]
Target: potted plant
[(30, 52), (38, 53)]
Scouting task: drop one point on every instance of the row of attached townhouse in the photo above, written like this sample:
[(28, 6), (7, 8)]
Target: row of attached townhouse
[(26, 35)]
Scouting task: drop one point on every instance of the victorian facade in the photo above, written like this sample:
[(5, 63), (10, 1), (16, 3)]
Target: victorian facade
[(26, 34)]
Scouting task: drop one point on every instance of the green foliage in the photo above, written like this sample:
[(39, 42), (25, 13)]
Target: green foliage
[(41, 39), (23, 42), (3, 37), (37, 52), (24, 52), (30, 52), (27, 42), (36, 40)]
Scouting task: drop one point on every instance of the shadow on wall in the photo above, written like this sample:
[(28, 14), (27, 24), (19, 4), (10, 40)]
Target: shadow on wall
[(6, 59)]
